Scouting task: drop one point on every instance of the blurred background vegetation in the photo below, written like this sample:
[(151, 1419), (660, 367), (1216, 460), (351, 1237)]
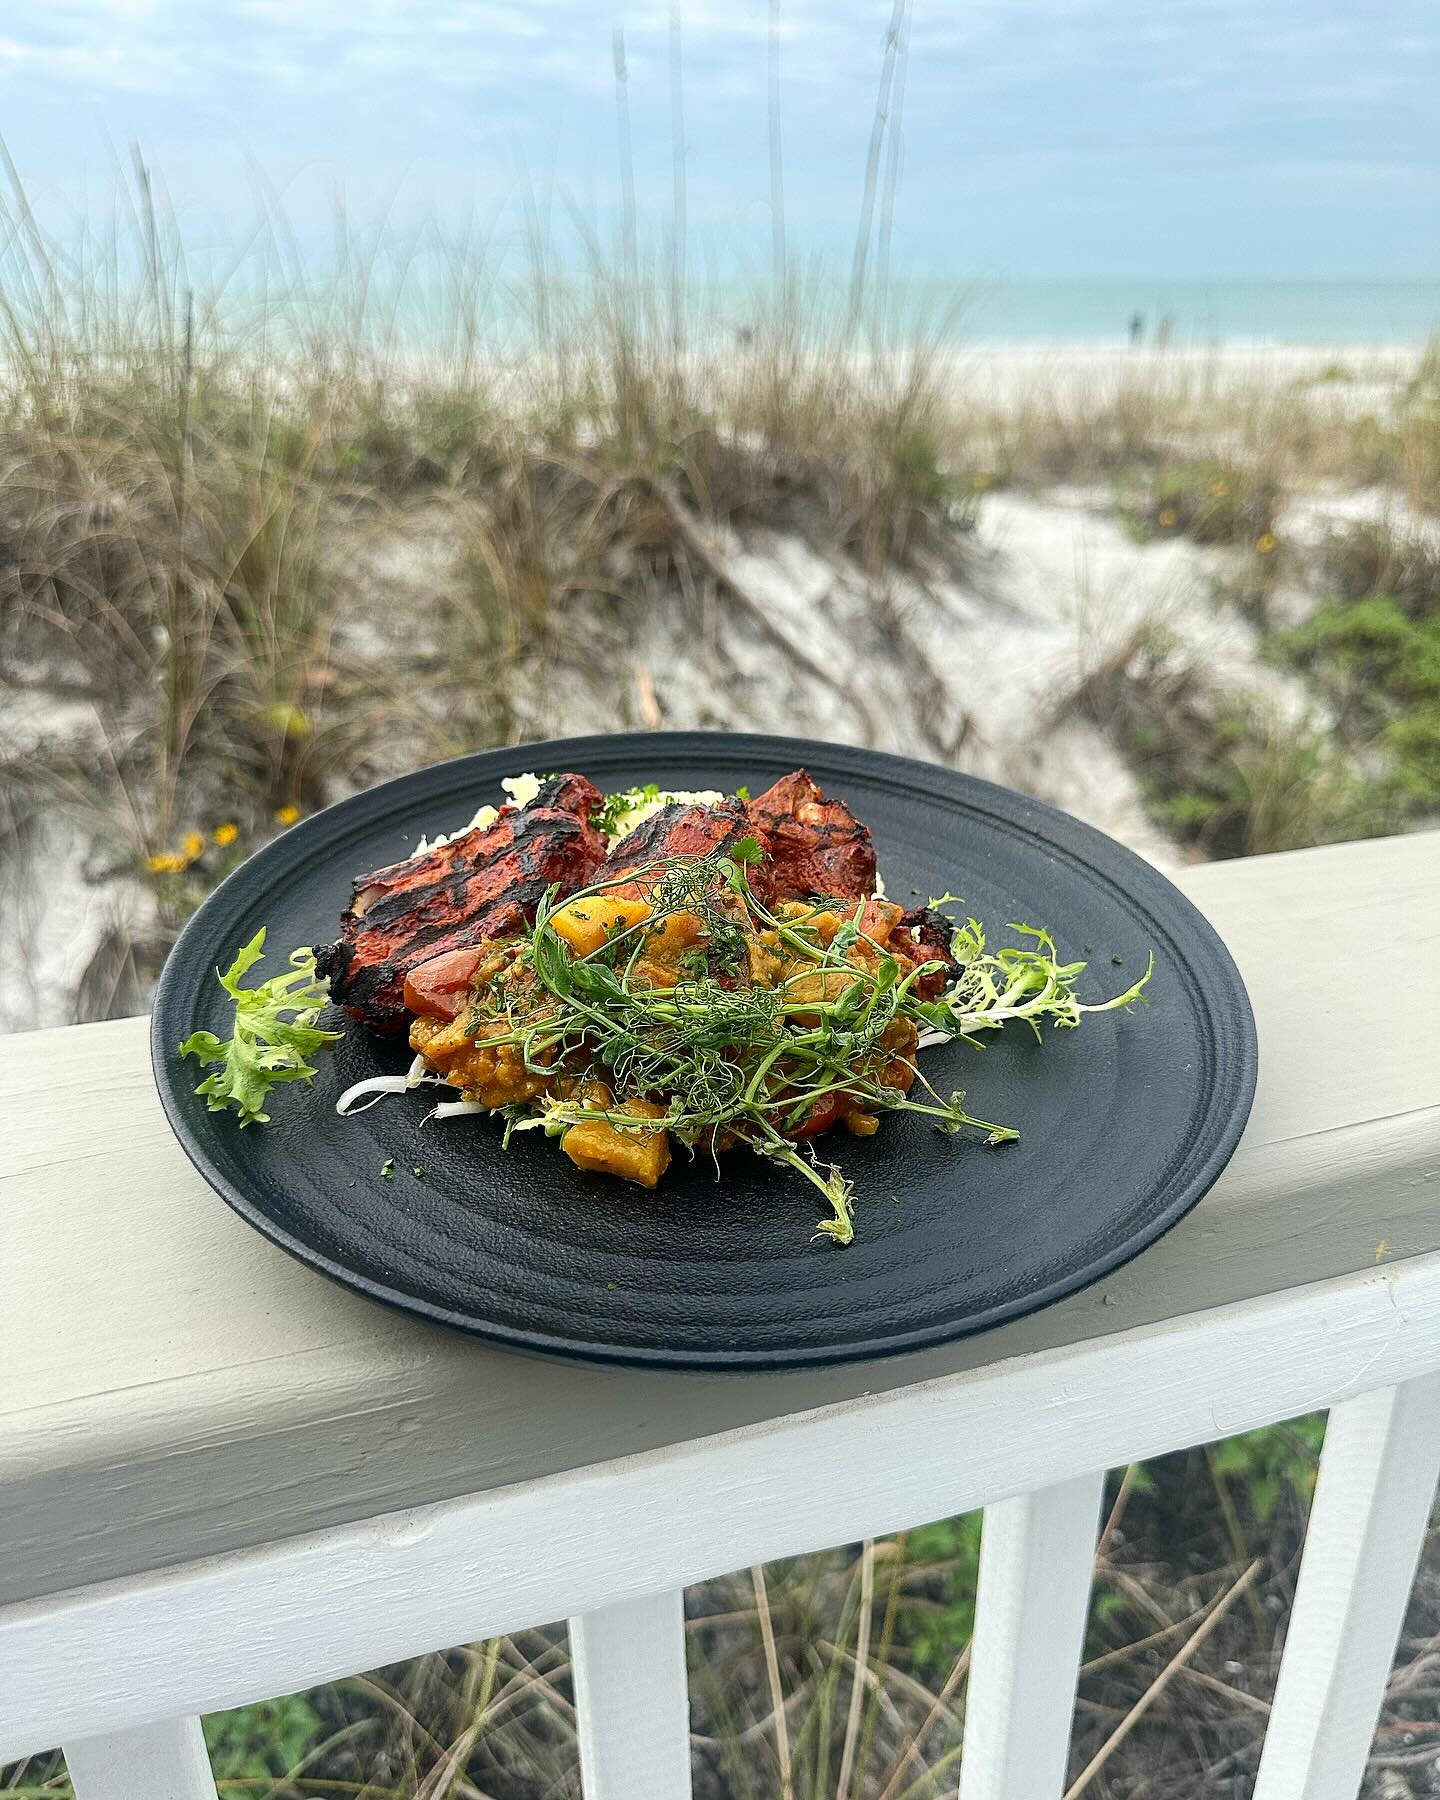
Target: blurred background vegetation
[(257, 555)]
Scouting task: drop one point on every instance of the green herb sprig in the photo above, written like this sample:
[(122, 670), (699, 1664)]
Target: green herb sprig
[(275, 1034), (747, 1063), (607, 816)]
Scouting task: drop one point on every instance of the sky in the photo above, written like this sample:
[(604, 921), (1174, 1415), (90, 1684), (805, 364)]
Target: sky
[(1204, 138)]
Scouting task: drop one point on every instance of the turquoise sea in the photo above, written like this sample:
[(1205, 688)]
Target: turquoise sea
[(430, 292), (1096, 311), (1099, 310)]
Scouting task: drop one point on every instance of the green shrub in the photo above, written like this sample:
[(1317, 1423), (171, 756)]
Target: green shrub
[(1413, 742), (1369, 653), (1219, 772), (1263, 1463), (937, 1632), (1378, 661), (262, 1743), (1211, 502)]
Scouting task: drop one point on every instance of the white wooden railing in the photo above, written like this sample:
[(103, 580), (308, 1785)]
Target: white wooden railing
[(222, 1478)]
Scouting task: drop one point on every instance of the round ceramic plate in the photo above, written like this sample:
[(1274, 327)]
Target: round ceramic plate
[(1124, 1123)]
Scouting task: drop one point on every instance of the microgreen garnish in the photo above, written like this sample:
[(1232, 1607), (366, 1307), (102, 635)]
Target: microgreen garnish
[(760, 1063)]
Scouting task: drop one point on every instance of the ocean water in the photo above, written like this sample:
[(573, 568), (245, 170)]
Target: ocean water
[(427, 298), (1198, 313), (1095, 311)]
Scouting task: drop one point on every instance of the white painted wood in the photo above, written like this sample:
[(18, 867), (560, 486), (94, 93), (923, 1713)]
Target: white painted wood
[(172, 1386), (1378, 1472), (239, 1627), (165, 1761), (632, 1703), (1037, 1555)]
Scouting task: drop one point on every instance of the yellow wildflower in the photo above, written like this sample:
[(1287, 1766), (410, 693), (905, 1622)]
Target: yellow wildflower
[(1217, 488), (1167, 515), (287, 815), (226, 834), (193, 844), (979, 479), (1265, 543), (166, 864)]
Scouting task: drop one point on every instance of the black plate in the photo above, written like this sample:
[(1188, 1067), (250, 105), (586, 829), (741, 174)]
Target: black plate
[(1125, 1123)]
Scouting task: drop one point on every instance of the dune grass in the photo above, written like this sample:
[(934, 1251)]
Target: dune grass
[(191, 481), (202, 473), (203, 484), (1162, 415)]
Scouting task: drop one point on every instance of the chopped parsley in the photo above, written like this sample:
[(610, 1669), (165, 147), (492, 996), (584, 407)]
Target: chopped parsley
[(607, 817)]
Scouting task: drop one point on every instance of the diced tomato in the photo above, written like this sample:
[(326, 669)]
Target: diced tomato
[(825, 1112), (438, 989)]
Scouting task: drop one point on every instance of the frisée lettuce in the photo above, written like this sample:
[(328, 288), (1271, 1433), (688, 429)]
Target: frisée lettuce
[(275, 1034)]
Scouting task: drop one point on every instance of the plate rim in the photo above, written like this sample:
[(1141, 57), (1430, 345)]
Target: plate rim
[(1051, 826)]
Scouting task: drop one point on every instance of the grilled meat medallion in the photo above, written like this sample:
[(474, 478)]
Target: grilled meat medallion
[(683, 830), (485, 883), (813, 845), (931, 933)]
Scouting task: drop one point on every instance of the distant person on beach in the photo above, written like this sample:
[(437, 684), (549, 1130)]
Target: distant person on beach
[(1137, 329), (1162, 333)]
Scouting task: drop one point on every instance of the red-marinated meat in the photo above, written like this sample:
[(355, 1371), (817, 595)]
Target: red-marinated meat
[(484, 884), (813, 845), (681, 829), (931, 933)]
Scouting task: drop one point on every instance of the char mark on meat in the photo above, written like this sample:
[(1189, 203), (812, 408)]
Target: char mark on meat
[(483, 883), (683, 830), (814, 845)]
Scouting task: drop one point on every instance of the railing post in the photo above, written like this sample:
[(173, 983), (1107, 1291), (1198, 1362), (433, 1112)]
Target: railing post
[(167, 1761), (1372, 1504), (632, 1703), (1037, 1556)]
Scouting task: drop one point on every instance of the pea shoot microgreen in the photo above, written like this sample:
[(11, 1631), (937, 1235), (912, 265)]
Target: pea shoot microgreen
[(744, 1062)]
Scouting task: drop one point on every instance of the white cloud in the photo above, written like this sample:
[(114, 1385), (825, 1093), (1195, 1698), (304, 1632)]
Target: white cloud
[(96, 65), (1124, 94)]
